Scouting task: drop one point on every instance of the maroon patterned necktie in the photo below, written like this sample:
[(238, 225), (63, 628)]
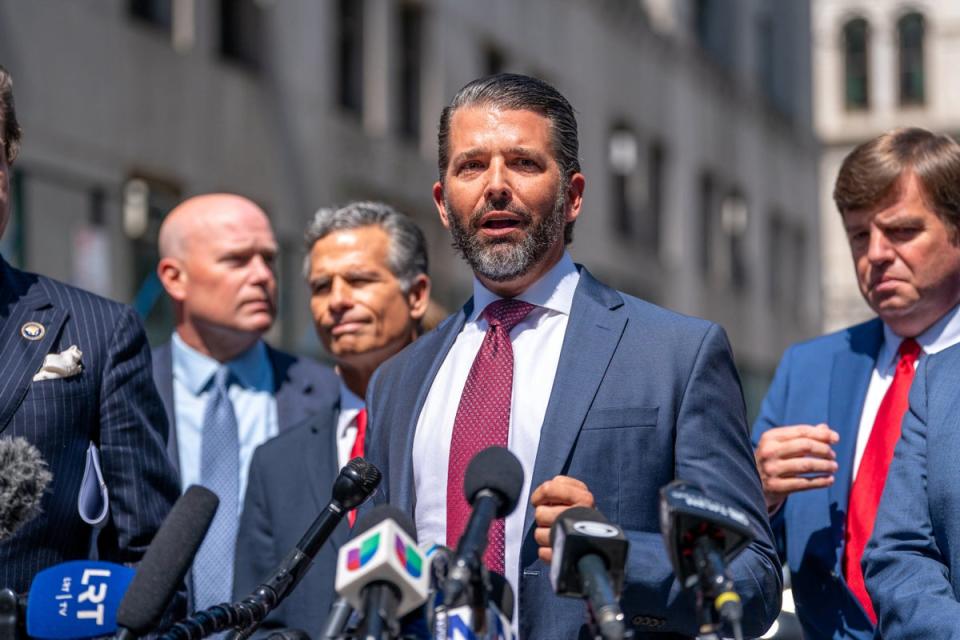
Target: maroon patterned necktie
[(483, 419)]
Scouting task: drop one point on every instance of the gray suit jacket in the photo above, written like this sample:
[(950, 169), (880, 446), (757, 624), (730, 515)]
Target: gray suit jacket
[(304, 388), (641, 396)]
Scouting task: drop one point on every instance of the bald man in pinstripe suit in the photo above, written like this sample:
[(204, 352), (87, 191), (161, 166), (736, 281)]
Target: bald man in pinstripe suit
[(100, 391)]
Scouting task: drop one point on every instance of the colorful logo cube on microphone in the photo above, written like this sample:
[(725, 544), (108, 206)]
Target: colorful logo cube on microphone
[(384, 553), (361, 555)]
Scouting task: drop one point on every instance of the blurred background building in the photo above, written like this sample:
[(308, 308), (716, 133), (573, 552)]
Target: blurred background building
[(696, 126), (878, 64)]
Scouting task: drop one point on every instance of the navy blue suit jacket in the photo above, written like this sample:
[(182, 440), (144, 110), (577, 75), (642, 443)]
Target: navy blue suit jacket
[(304, 387), (641, 396), (111, 402), (912, 563), (822, 380), (291, 479)]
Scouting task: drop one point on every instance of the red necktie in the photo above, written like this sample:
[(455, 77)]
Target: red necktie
[(357, 450), (483, 419), (872, 475)]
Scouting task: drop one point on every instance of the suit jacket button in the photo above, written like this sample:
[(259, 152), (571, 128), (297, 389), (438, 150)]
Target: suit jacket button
[(834, 575)]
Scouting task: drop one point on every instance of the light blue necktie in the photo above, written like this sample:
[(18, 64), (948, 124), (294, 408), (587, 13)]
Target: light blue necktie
[(219, 472)]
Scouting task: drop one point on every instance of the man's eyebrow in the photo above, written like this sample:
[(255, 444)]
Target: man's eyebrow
[(467, 155)]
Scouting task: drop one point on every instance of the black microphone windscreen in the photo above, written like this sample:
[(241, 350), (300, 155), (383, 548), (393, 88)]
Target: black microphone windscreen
[(355, 483), (384, 512), (167, 559), (23, 479), (495, 469)]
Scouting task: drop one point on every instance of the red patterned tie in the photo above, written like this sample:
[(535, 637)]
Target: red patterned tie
[(483, 419), (872, 475), (357, 450)]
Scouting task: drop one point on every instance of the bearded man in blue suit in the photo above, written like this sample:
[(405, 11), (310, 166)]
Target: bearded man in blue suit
[(75, 382), (829, 422), (604, 398)]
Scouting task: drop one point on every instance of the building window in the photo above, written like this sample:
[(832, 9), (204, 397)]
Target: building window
[(734, 220), (707, 197), (241, 23), (856, 48), (656, 174), (623, 157), (144, 205), (350, 55), (766, 69), (158, 13), (411, 67), (787, 247), (910, 32)]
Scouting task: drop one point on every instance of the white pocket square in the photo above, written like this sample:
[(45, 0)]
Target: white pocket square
[(60, 365)]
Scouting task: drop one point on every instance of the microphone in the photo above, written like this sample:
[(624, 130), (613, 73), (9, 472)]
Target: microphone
[(702, 537), (492, 484), (76, 599), (463, 621), (288, 634), (382, 573), (355, 483), (337, 619), (24, 479), (589, 555), (166, 561)]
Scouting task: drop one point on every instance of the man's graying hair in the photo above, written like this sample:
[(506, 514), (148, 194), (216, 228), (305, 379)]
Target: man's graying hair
[(407, 257)]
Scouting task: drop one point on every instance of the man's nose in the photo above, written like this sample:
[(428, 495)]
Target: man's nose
[(498, 189), (341, 295), (262, 269), (880, 249)]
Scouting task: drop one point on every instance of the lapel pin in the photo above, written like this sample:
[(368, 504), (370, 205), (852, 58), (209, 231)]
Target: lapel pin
[(32, 330)]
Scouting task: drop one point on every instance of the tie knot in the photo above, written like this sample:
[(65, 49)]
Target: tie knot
[(507, 312), (222, 378), (909, 350)]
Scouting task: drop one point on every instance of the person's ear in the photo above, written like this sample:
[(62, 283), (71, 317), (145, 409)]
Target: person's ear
[(173, 277), (418, 297)]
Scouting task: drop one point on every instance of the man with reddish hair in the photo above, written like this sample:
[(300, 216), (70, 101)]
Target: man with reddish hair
[(828, 425)]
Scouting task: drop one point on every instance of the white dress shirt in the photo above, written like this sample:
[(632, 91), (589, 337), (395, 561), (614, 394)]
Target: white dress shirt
[(252, 396), (944, 333), (350, 406), (537, 341)]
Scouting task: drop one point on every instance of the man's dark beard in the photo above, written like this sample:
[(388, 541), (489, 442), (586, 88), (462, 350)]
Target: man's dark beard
[(504, 259)]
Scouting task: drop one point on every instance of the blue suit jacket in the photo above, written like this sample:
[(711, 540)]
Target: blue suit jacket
[(291, 479), (111, 402), (641, 396), (912, 563), (304, 387), (822, 380)]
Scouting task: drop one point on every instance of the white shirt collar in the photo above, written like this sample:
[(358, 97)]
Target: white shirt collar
[(350, 406), (943, 333), (553, 291)]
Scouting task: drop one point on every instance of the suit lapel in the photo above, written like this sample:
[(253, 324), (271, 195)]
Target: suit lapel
[(24, 357), (431, 350), (320, 456), (849, 379), (163, 378), (593, 332)]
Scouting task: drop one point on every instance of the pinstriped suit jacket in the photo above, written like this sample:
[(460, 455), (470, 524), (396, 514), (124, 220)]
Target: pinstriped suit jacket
[(112, 402)]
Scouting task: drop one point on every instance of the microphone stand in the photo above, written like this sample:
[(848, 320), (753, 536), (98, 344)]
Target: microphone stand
[(9, 615)]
